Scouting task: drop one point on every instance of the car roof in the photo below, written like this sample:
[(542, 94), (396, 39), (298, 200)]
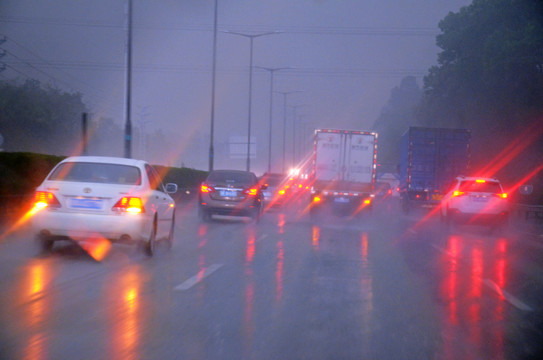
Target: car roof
[(232, 171), (474, 178), (105, 160)]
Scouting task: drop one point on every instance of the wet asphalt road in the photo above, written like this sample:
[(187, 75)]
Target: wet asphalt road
[(379, 286)]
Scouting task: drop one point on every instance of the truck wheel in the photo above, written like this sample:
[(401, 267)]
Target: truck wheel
[(405, 205)]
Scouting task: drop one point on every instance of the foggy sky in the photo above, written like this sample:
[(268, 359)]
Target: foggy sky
[(345, 55)]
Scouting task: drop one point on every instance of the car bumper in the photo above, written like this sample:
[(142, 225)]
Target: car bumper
[(77, 226), (478, 218)]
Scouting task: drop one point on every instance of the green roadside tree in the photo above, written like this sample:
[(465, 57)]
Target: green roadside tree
[(34, 118)]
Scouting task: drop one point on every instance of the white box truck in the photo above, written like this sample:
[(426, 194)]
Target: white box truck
[(343, 174)]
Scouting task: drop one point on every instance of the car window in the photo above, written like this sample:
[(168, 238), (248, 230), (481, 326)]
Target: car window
[(97, 173), (475, 186), (272, 180), (154, 178), (231, 177)]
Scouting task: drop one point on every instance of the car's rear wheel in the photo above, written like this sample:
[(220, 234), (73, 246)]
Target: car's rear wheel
[(150, 245), (205, 215), (45, 242), (255, 215), (169, 240)]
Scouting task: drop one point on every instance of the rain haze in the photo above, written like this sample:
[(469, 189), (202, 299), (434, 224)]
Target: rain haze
[(342, 57)]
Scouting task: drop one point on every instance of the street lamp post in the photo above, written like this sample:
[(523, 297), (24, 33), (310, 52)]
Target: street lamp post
[(285, 93), (272, 71), (251, 38), (294, 107)]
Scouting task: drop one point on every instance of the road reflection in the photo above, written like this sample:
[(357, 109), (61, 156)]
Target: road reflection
[(249, 293), (468, 264), (125, 312), (36, 279)]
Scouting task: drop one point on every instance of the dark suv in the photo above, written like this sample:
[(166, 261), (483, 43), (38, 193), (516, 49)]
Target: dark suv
[(232, 193)]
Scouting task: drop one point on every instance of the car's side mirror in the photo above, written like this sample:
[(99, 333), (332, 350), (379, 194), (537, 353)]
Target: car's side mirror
[(171, 188), (264, 187)]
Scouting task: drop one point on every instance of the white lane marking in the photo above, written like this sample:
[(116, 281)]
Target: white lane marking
[(491, 284), (510, 298), (202, 274)]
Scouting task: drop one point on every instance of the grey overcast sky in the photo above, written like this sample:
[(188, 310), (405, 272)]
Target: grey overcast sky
[(346, 56)]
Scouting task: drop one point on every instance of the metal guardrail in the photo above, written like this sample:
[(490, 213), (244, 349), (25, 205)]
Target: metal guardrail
[(530, 211)]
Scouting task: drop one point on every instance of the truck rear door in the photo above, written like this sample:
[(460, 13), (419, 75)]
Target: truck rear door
[(359, 158), (328, 156)]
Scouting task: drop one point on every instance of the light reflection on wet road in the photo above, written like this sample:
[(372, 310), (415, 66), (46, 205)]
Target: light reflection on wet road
[(285, 288)]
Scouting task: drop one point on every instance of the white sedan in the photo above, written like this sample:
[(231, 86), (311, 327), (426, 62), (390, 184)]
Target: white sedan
[(118, 199)]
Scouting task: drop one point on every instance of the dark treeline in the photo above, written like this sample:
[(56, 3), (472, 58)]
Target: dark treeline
[(488, 78)]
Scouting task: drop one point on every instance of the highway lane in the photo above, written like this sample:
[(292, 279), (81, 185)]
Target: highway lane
[(378, 286)]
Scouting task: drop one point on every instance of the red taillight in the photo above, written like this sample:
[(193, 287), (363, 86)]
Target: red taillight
[(206, 189), (458, 193), (251, 191), (316, 199), (129, 204), (502, 195), (282, 192), (46, 199)]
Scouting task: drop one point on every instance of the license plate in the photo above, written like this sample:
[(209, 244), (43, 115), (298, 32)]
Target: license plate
[(88, 204), (341, 200), (479, 198), (228, 193), (437, 197)]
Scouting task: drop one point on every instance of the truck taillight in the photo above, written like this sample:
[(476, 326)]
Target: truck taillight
[(316, 199), (458, 193), (502, 195), (129, 204), (45, 199)]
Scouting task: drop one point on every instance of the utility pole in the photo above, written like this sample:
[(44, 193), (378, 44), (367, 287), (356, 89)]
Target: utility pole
[(272, 71), (213, 75), (128, 124), (285, 93), (251, 37)]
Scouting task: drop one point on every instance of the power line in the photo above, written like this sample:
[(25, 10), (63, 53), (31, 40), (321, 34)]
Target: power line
[(292, 29)]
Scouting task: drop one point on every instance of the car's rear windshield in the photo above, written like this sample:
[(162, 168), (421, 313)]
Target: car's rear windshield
[(97, 173), (273, 180), (480, 186), (227, 177)]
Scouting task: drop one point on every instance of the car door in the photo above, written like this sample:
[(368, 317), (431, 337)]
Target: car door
[(163, 203)]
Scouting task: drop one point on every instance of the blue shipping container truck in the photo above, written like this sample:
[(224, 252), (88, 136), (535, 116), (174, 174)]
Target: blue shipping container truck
[(430, 160)]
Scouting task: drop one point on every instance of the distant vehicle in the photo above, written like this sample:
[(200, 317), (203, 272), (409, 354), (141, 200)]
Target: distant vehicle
[(231, 193), (431, 158), (393, 180), (343, 176), (476, 200), (382, 191), (121, 200), (278, 190)]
